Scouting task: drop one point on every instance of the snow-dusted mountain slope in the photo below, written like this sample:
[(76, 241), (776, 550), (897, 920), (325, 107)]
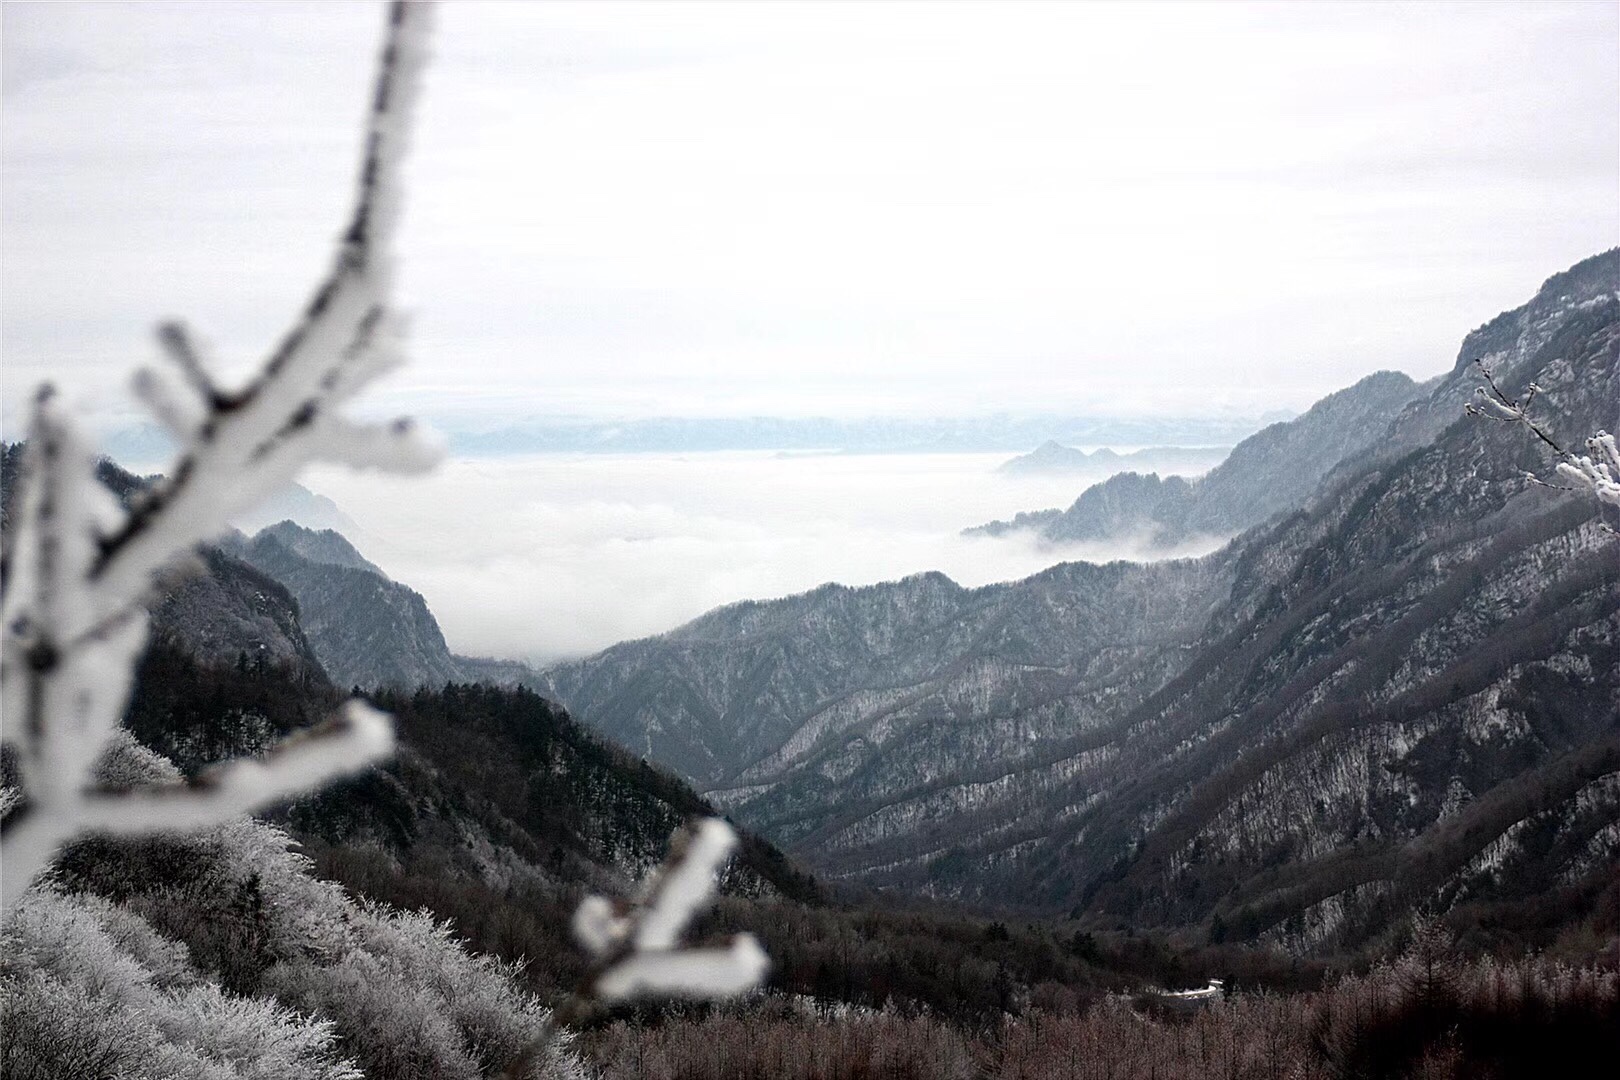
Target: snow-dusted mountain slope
[(757, 692), (1405, 691), (368, 630)]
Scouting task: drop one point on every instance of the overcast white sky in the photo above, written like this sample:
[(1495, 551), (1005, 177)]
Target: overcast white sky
[(841, 208)]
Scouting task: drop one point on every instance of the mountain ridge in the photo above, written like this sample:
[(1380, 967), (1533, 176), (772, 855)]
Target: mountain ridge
[(1422, 585), (1053, 457), (1401, 692), (369, 631), (1269, 472)]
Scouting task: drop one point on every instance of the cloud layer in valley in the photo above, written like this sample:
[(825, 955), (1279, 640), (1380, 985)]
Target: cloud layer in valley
[(562, 555)]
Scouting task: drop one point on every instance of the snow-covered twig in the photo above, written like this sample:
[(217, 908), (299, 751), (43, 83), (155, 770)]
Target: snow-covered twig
[(635, 945), (1597, 472), (77, 569), (1492, 403)]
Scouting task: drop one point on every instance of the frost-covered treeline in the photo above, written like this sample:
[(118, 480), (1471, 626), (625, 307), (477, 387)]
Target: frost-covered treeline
[(217, 954), (1427, 1013)]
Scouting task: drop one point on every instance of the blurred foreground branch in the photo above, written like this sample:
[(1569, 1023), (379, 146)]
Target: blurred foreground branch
[(78, 569)]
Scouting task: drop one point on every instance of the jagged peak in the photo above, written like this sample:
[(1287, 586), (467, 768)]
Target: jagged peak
[(317, 545), (1593, 276)]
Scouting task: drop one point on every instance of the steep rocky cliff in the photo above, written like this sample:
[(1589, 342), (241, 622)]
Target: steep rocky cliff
[(368, 630)]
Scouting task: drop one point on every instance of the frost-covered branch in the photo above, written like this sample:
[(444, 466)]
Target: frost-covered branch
[(1493, 403), (1597, 472), (635, 944), (77, 569)]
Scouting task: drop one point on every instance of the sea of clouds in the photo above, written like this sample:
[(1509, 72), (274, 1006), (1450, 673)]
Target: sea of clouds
[(561, 555)]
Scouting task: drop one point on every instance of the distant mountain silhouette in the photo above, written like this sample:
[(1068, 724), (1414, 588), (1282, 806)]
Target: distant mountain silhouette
[(1273, 470), (1054, 457)]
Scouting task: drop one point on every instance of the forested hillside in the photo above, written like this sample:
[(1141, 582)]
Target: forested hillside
[(1403, 693), (1400, 697)]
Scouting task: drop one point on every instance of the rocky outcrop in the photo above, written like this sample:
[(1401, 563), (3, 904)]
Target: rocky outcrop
[(368, 630)]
